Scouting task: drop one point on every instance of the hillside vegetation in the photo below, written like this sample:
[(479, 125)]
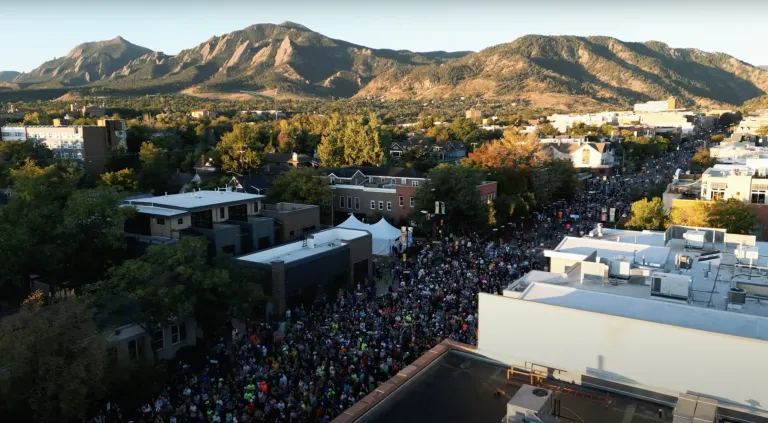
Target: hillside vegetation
[(291, 61)]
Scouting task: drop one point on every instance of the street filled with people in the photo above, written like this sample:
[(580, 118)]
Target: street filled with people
[(331, 354)]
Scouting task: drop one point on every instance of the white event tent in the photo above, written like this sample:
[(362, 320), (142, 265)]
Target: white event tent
[(384, 235)]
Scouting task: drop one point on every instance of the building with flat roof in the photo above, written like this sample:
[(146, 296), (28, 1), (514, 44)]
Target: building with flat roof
[(88, 144), (231, 221), (371, 192), (671, 103), (458, 383), (322, 263), (292, 220), (653, 315)]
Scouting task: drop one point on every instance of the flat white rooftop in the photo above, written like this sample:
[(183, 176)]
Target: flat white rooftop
[(197, 199), (574, 246), (653, 238), (157, 211), (323, 241), (706, 319)]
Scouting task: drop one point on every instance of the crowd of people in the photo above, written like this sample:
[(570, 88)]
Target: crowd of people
[(332, 354)]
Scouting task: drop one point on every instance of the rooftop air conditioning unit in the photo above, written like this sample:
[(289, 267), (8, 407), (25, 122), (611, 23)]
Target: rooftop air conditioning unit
[(671, 286), (695, 239), (531, 404)]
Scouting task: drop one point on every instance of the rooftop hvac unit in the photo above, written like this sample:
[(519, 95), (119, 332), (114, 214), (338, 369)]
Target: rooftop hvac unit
[(746, 253), (737, 296), (531, 404), (619, 269), (667, 285), (695, 239)]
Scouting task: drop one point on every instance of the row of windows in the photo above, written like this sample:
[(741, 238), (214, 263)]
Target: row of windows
[(12, 134), (488, 197), (346, 203), (178, 335)]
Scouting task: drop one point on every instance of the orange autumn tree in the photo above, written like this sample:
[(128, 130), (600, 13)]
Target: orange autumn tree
[(511, 150)]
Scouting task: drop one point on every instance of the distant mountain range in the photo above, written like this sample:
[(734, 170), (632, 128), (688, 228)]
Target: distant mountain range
[(7, 76), (290, 59)]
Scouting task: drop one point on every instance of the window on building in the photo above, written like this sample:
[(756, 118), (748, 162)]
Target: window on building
[(411, 202), (415, 183), (341, 202), (401, 200), (256, 207), (178, 333), (402, 181), (180, 221), (381, 205), (349, 202), (717, 194), (357, 203), (158, 340), (585, 156), (389, 206), (373, 204), (160, 221), (290, 233), (758, 197), (221, 212), (136, 348)]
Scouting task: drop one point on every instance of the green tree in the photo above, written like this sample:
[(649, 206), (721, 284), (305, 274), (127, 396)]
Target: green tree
[(173, 281), (733, 216), (701, 160), (717, 138), (695, 214), (300, 186), (606, 130), (90, 235), (331, 148), (546, 129), (240, 150), (439, 133), (123, 180), (648, 215), (39, 196), (456, 186), (155, 172), (53, 363), (37, 118)]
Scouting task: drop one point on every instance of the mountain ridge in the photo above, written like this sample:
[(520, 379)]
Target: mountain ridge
[(291, 59)]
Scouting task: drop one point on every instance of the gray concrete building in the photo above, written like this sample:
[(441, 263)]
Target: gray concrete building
[(292, 220), (302, 271)]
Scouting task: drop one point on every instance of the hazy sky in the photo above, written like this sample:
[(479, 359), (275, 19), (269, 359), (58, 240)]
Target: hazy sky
[(40, 30)]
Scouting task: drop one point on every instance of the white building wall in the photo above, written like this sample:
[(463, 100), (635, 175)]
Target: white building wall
[(646, 355), (13, 133)]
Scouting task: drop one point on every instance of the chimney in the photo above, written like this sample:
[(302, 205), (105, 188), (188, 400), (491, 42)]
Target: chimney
[(310, 240), (295, 157), (600, 229)]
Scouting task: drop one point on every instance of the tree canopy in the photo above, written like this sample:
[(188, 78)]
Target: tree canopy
[(647, 215), (456, 186), (731, 215), (300, 186), (54, 363)]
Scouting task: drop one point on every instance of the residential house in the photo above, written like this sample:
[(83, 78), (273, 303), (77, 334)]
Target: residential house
[(203, 114), (599, 157), (443, 151), (132, 344), (231, 221), (286, 161), (474, 113)]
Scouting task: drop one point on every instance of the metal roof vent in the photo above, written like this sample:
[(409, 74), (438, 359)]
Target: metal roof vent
[(539, 392)]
